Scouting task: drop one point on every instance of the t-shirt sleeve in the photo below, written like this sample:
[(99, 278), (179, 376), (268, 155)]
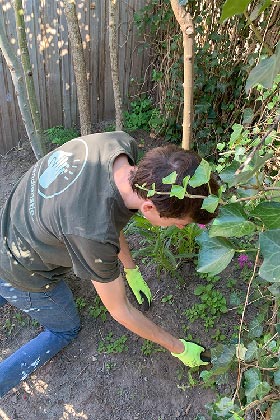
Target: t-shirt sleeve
[(93, 260)]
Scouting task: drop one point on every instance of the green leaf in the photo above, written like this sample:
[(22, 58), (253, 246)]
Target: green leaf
[(222, 357), (265, 72), (210, 203), (277, 377), (275, 289), (170, 179), (259, 8), (254, 387), (228, 174), (232, 222), (252, 352), (177, 191), (256, 327), (275, 410), (248, 116), (215, 254), (201, 175), (270, 249), (269, 213), (233, 7)]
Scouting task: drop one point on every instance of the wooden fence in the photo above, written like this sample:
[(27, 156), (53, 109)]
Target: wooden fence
[(52, 64)]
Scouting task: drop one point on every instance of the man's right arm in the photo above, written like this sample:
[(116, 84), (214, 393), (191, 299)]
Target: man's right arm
[(114, 298)]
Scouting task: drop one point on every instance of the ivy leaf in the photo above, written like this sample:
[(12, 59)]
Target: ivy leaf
[(221, 358), (210, 203), (260, 7), (277, 377), (255, 388), (201, 175), (232, 222), (256, 327), (177, 191), (215, 254), (170, 179), (252, 352), (275, 410), (227, 175), (233, 7), (225, 409), (270, 249), (269, 213), (275, 289), (265, 72)]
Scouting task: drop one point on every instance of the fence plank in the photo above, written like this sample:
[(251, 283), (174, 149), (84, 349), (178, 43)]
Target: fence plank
[(50, 54)]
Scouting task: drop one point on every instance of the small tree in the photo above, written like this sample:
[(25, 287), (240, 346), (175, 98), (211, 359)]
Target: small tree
[(115, 64), (18, 78), (186, 24), (79, 65)]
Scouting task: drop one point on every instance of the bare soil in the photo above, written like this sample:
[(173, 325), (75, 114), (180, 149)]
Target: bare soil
[(80, 382)]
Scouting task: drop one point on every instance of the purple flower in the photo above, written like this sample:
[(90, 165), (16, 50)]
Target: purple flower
[(201, 226), (243, 260)]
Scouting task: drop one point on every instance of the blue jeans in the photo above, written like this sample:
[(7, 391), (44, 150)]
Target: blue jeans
[(55, 310)]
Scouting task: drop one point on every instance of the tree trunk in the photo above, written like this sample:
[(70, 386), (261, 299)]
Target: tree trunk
[(113, 44), (20, 90), (186, 24), (79, 65), (27, 70)]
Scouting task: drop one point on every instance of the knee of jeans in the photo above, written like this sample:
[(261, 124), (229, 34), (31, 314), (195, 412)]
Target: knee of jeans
[(69, 335)]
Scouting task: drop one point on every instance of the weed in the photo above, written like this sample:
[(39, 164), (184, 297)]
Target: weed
[(9, 326), (149, 348), (111, 345), (98, 309), (60, 135), (167, 299), (80, 303)]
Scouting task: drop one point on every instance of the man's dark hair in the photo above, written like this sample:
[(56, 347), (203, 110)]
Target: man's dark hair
[(161, 162)]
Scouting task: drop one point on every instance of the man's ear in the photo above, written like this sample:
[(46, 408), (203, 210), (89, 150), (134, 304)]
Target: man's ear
[(147, 206)]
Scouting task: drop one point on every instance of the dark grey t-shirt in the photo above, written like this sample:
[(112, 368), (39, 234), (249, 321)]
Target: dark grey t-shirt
[(66, 212)]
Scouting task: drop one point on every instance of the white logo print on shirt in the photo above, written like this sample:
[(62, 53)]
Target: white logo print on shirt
[(63, 167)]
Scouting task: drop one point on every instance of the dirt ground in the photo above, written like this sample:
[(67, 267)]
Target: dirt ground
[(82, 383)]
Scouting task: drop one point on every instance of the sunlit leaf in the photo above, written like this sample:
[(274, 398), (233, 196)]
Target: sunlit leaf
[(152, 191), (254, 387), (233, 7), (201, 175), (210, 203), (269, 213), (170, 179), (260, 7), (177, 191), (215, 254), (232, 222), (270, 249), (265, 72)]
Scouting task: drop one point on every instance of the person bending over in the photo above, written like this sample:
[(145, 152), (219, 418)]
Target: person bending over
[(67, 213)]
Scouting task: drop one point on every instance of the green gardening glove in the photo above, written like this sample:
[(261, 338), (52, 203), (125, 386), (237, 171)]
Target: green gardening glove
[(191, 355), (138, 286)]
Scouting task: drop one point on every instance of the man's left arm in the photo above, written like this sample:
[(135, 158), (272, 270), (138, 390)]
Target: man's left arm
[(133, 276)]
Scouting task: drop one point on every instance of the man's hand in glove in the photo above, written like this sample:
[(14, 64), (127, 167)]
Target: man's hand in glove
[(138, 286), (191, 356)]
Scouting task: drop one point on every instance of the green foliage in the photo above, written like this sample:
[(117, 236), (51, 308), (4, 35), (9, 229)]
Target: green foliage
[(98, 309), (111, 345), (165, 247), (80, 303), (148, 348), (60, 135), (143, 115), (212, 305)]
